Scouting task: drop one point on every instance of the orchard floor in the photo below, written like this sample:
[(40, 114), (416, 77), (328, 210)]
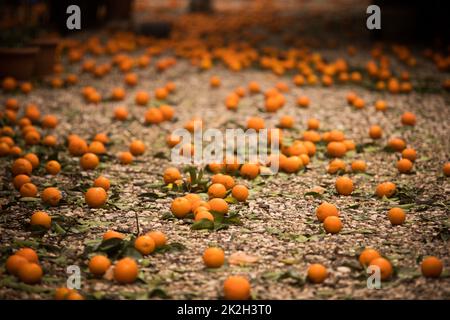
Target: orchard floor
[(279, 226)]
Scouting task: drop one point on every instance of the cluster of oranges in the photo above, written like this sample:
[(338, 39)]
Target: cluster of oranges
[(24, 264), (125, 270), (26, 127)]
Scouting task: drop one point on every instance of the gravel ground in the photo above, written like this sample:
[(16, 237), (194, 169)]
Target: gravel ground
[(279, 227)]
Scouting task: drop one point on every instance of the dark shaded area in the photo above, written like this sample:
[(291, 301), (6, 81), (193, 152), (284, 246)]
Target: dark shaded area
[(409, 21)]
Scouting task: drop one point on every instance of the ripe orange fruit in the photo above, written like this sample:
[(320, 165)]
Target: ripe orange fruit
[(158, 237), (161, 93), (167, 111), (349, 145), (214, 81), (111, 234), (236, 288), (396, 216), (62, 293), (375, 132), (41, 218), (249, 170), (359, 103), (385, 189), (367, 255), (296, 148), (216, 167), (14, 262), (351, 97), (78, 147), (142, 98), (397, 144), (28, 254), (9, 84), (171, 175), (34, 160), (332, 224), (53, 167), (231, 164), (180, 207), (193, 197), (431, 267), (446, 169), (89, 161), (121, 113), (118, 93), (20, 180), (144, 244), (153, 116), (358, 166), (380, 105), (32, 137), (335, 166), (325, 210), (32, 112), (385, 267), (336, 149), (30, 273), (172, 140), (74, 296), (303, 101), (310, 148), (286, 122), (171, 86), (254, 87), (218, 205), (203, 214), (15, 151), (313, 124), (95, 197), (408, 119), (344, 186), (409, 154), (311, 136), (125, 157), (317, 273), (49, 121), (255, 123), (213, 257), (217, 190), (97, 147), (21, 166), (137, 148), (102, 182), (101, 137), (51, 196), (126, 270), (28, 190), (240, 192), (98, 265), (292, 164), (404, 165), (4, 149), (131, 79)]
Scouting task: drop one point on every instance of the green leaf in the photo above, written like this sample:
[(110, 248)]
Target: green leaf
[(29, 199), (158, 292), (314, 194), (110, 245), (231, 200), (203, 224), (173, 246)]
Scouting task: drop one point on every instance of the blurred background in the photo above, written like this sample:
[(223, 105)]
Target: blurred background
[(402, 20), (31, 30)]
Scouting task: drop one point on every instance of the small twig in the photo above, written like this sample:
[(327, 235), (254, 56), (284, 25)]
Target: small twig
[(137, 223)]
